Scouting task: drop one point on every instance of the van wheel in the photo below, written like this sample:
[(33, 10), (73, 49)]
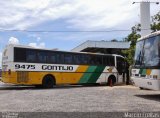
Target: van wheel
[(48, 82)]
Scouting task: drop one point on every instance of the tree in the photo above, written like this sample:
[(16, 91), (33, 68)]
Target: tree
[(132, 38), (155, 26)]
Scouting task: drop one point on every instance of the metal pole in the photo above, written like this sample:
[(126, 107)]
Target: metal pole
[(145, 17)]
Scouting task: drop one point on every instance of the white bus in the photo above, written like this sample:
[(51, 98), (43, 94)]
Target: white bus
[(146, 69), (26, 65)]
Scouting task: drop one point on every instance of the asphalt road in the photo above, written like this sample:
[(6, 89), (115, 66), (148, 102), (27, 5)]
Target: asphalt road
[(78, 99)]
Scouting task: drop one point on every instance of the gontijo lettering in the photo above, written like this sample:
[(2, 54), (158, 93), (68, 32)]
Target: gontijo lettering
[(51, 67)]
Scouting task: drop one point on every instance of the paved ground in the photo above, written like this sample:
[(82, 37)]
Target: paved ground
[(78, 98)]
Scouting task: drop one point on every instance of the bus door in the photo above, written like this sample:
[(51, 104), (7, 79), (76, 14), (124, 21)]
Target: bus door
[(121, 69)]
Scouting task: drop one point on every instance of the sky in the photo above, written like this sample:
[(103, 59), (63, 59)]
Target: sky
[(63, 23)]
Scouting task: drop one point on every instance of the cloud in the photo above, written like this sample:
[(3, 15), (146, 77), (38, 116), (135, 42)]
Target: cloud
[(35, 36), (13, 40), (40, 45), (101, 14), (33, 44), (80, 14), (24, 14), (38, 39)]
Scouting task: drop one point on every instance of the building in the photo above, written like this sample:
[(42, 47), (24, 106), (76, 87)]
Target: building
[(106, 47)]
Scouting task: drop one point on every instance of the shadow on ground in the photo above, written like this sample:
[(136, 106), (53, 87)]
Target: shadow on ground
[(18, 87), (155, 97)]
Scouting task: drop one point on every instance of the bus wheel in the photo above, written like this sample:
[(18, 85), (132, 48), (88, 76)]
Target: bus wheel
[(111, 80), (48, 81)]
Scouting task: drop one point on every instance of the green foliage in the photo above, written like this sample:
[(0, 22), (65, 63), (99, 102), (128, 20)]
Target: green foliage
[(132, 38), (155, 26), (134, 35)]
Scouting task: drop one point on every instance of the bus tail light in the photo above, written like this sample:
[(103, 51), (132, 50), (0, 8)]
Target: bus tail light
[(9, 71)]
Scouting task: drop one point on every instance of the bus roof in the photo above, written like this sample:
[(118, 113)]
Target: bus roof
[(30, 47), (149, 35)]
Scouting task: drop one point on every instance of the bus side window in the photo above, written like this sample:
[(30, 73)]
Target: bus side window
[(91, 60), (42, 57), (51, 57), (105, 60), (76, 59), (60, 58), (19, 55), (80, 59), (98, 60), (112, 61), (95, 60), (108, 60), (85, 59), (68, 59), (31, 56), (120, 65)]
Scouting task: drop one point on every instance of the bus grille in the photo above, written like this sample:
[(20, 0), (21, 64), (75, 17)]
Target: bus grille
[(22, 77)]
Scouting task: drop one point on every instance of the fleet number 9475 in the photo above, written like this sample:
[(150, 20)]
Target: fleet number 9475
[(18, 66)]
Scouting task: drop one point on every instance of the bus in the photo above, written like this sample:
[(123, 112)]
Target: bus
[(25, 65), (0, 73), (146, 68)]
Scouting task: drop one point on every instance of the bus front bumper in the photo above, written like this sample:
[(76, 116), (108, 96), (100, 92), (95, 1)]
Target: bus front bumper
[(153, 84)]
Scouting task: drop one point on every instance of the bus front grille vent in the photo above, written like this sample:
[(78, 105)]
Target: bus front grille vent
[(22, 77)]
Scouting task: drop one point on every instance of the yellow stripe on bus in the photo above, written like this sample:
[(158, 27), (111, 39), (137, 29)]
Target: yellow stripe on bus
[(148, 71), (31, 78)]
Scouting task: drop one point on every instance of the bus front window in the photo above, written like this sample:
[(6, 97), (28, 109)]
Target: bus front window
[(151, 51), (139, 53)]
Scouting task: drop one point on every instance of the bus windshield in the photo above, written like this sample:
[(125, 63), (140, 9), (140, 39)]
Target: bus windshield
[(148, 52), (139, 53)]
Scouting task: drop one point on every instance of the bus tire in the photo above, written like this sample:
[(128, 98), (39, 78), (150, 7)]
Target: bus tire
[(48, 81), (111, 80)]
